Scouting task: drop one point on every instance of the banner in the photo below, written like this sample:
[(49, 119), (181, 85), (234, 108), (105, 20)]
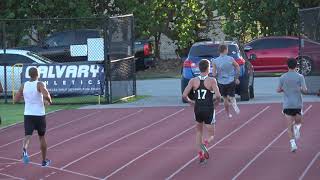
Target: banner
[(70, 79)]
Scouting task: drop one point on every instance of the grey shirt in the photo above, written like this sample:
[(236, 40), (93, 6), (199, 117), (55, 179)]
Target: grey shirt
[(225, 69), (291, 83)]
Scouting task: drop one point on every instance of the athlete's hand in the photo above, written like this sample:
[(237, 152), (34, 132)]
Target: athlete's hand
[(217, 101), (47, 103), (237, 81)]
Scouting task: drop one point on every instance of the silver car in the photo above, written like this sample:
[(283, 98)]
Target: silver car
[(15, 59)]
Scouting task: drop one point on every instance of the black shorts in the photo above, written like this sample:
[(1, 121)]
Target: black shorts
[(292, 112), (227, 89), (37, 123), (205, 116)]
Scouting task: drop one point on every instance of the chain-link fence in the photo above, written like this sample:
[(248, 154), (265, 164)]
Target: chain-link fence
[(309, 52), (75, 57), (122, 63)]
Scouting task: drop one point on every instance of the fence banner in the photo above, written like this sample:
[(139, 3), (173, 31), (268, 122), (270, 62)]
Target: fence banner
[(70, 79)]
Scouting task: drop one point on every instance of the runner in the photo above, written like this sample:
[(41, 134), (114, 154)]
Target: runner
[(203, 87), (227, 71), (35, 96), (292, 84)]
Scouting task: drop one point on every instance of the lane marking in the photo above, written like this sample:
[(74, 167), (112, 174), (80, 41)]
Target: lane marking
[(261, 152), (222, 139), (149, 151), (13, 177), (56, 127), (55, 168), (115, 141), (309, 166), (92, 130)]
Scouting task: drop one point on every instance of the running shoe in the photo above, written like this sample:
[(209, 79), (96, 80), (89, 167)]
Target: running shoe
[(206, 143), (296, 132), (46, 163), (294, 146), (229, 116), (202, 159), (205, 151), (25, 157)]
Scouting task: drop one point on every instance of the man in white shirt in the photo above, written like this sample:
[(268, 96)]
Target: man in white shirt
[(36, 96)]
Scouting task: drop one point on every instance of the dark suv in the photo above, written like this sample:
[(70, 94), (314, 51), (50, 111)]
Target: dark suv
[(209, 50)]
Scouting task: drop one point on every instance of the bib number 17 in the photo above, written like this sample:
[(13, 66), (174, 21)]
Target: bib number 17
[(202, 94)]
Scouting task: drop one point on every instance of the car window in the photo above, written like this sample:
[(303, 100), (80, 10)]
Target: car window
[(61, 39), (273, 43), (212, 50), (286, 43), (14, 59), (82, 36)]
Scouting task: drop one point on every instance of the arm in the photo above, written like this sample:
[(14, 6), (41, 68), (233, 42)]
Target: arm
[(279, 89), (44, 91), (214, 69), (18, 96), (187, 91), (237, 68), (304, 89), (217, 92)]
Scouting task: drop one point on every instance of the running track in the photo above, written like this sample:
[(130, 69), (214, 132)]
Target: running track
[(158, 143)]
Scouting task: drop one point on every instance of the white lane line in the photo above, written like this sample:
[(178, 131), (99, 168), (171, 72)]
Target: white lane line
[(12, 177), (56, 127), (309, 166), (55, 168), (222, 139), (149, 151), (1, 169), (261, 152), (123, 137), (92, 130)]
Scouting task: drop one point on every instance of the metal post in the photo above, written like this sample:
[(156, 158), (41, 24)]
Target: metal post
[(106, 70), (133, 54), (300, 40), (5, 66)]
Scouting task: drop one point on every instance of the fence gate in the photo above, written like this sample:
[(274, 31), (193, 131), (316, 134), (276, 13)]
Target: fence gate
[(309, 48)]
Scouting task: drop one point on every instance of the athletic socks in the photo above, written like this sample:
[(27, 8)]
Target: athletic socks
[(296, 130), (234, 105), (293, 145)]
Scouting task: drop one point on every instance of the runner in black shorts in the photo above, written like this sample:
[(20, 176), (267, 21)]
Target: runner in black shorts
[(36, 96), (292, 85), (203, 87)]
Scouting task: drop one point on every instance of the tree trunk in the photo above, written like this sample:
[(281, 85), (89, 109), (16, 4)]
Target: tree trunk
[(157, 45)]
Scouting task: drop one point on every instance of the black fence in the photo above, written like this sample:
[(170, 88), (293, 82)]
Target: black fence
[(309, 48), (71, 52)]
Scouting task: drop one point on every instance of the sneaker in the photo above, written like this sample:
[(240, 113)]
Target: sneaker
[(202, 160), (235, 107), (293, 145), (296, 132), (25, 157), (46, 163), (206, 143), (205, 151), (229, 116)]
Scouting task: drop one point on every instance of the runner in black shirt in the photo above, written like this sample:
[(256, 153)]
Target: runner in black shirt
[(204, 87)]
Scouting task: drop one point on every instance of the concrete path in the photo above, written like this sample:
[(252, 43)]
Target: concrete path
[(167, 92)]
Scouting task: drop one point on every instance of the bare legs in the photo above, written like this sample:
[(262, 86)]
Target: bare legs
[(43, 147)]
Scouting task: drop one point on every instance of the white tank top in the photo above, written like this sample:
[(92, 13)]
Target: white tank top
[(33, 99)]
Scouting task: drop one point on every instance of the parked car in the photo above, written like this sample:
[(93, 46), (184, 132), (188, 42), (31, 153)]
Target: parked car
[(209, 50), (272, 53), (57, 47), (14, 59)]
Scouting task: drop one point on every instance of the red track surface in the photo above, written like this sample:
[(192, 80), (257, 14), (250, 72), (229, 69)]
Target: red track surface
[(158, 143)]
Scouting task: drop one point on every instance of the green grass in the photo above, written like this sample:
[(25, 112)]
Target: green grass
[(13, 113)]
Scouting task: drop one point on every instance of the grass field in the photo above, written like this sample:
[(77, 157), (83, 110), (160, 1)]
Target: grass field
[(13, 113)]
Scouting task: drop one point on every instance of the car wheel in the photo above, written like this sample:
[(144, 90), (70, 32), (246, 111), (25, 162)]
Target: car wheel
[(245, 90), (305, 66), (251, 88)]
